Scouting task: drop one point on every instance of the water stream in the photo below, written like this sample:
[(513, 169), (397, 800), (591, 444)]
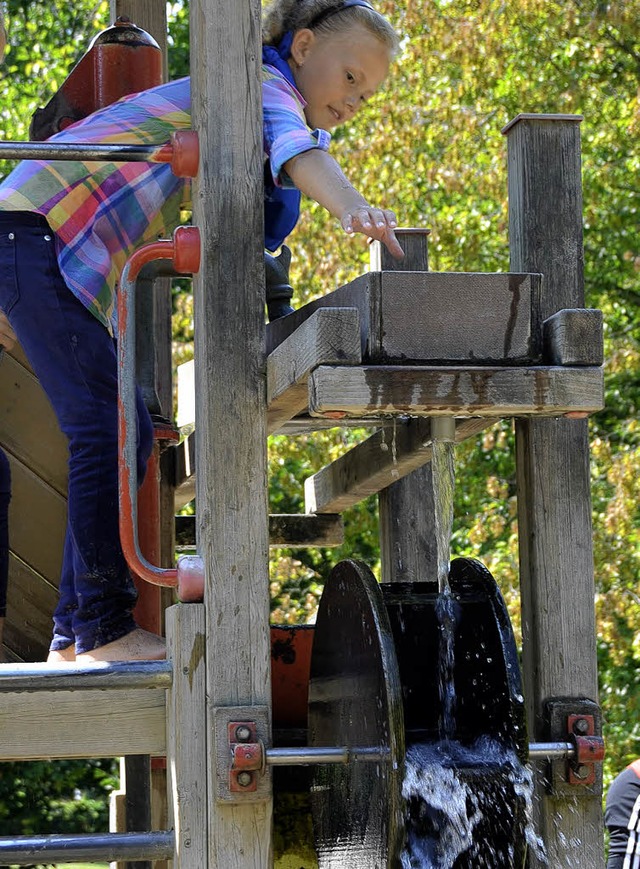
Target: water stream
[(463, 803)]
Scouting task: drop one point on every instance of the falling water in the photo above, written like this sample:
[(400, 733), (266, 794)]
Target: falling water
[(453, 793), (447, 610)]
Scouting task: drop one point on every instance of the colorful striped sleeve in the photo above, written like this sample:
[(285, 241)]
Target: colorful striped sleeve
[(285, 130)]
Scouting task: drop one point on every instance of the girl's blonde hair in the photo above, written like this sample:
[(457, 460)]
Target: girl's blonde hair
[(281, 16)]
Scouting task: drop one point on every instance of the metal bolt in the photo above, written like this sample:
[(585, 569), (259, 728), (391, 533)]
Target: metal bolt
[(244, 779), (581, 725), (243, 733), (582, 771)]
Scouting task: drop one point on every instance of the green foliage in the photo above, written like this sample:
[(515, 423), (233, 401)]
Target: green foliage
[(63, 796)]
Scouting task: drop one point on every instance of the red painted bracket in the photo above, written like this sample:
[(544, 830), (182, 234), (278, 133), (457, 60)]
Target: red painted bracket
[(589, 749)]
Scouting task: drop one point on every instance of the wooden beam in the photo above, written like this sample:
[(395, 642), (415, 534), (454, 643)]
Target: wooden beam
[(382, 460), (297, 531), (331, 336), (231, 467), (446, 391), (553, 484), (104, 723), (574, 337), (186, 741), (428, 317)]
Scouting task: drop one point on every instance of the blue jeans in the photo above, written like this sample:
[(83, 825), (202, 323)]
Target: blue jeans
[(75, 360)]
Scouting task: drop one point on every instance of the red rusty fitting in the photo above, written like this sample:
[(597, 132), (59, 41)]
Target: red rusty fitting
[(589, 749), (127, 60), (248, 756), (185, 158), (182, 152), (190, 571), (186, 249)]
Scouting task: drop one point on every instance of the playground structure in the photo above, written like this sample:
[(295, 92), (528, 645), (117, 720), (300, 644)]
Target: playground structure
[(405, 348)]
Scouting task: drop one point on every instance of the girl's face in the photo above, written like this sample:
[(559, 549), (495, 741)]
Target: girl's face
[(337, 73)]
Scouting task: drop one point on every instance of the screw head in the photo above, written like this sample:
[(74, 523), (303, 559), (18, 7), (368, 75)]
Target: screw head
[(581, 726), (244, 778), (243, 733), (581, 771)]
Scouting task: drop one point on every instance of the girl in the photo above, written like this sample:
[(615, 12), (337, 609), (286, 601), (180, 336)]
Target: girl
[(67, 228)]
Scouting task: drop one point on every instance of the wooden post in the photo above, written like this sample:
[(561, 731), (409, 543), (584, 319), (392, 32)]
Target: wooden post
[(187, 735), (230, 383), (554, 503), (406, 508)]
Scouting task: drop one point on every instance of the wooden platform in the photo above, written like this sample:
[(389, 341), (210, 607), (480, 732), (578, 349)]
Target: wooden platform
[(387, 352)]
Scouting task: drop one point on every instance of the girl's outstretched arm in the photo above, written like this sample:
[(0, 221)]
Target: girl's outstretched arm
[(318, 176)]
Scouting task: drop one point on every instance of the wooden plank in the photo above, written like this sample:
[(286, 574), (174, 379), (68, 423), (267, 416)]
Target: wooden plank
[(37, 522), (455, 317), (231, 471), (28, 426), (553, 482), (88, 723), (331, 336), (574, 337), (446, 391), (303, 531), (426, 317), (383, 459), (31, 601), (359, 293), (285, 529), (187, 734)]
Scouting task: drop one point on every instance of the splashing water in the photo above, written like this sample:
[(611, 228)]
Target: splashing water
[(466, 807)]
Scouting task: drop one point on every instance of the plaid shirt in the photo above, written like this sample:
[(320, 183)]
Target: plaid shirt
[(102, 212)]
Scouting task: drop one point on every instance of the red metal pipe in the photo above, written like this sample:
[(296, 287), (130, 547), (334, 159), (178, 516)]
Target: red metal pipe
[(188, 577)]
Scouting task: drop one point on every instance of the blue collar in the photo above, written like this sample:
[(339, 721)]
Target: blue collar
[(277, 55)]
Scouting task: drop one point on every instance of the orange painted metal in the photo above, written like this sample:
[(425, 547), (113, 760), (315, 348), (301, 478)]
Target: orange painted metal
[(121, 60), (290, 669)]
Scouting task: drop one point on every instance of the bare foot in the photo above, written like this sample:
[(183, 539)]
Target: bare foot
[(62, 656), (139, 645)]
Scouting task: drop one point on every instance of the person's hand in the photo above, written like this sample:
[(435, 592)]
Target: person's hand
[(7, 336), (375, 223)]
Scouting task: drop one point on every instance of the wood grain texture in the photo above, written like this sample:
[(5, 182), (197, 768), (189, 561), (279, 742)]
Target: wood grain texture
[(31, 600), (231, 474), (82, 724), (574, 337), (554, 504), (187, 734), (28, 427), (426, 317), (331, 336), (445, 391), (385, 458)]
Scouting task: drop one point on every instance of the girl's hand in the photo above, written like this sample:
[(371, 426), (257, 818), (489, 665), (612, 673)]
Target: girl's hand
[(375, 223), (7, 336)]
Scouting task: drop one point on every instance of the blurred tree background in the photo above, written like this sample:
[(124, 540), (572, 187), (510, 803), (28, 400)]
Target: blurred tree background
[(430, 147)]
